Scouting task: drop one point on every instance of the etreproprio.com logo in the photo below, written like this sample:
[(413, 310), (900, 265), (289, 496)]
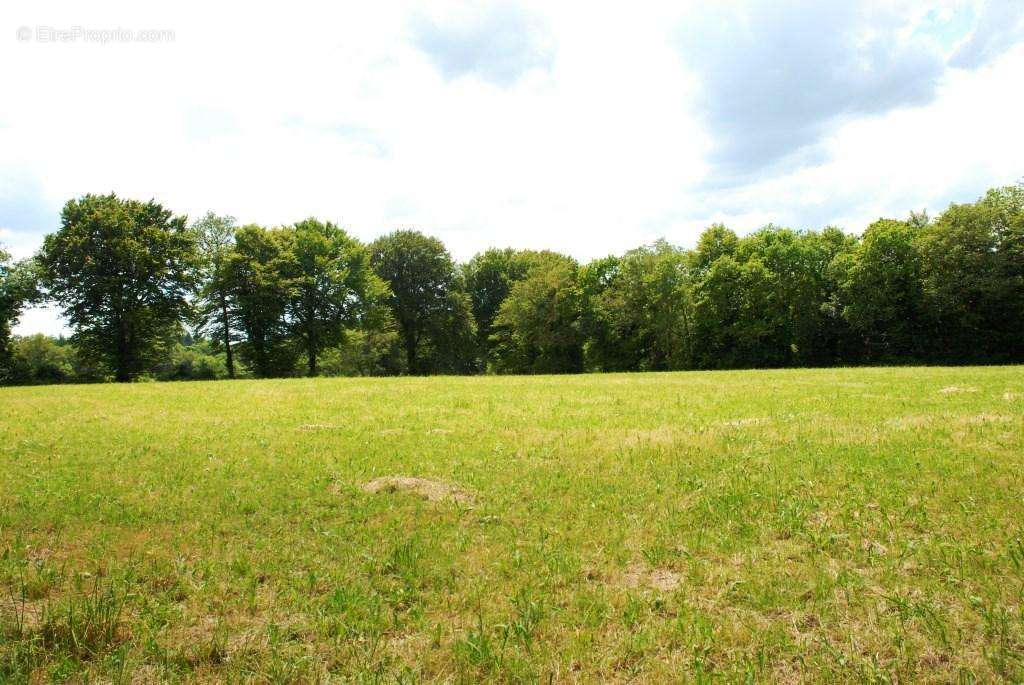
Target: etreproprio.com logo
[(81, 34)]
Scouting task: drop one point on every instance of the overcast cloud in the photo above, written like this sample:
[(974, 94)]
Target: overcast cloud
[(583, 128)]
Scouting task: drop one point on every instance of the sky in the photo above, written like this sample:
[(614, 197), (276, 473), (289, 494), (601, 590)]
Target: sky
[(581, 127)]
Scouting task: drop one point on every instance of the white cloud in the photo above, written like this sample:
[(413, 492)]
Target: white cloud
[(1000, 26), (581, 130), (774, 83), (499, 41)]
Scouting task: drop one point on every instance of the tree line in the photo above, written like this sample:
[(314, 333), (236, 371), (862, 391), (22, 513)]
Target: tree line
[(149, 295)]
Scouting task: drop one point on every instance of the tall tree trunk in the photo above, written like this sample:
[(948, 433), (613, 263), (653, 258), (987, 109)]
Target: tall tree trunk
[(311, 349), (259, 347), (122, 371), (410, 355), (227, 338)]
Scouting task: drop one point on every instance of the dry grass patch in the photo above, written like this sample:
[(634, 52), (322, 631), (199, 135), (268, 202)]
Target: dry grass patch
[(740, 423), (663, 435), (319, 427), (642, 576), (957, 389), (18, 615), (433, 490), (913, 421), (984, 418)]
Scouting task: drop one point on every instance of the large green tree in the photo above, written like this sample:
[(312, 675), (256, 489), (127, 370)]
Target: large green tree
[(647, 310), (879, 291), (800, 288), (972, 270), (730, 304), (538, 328), (603, 349), (822, 336), (256, 278), (121, 270), (17, 288), (489, 277), (10, 302), (216, 315), (331, 285), (427, 301)]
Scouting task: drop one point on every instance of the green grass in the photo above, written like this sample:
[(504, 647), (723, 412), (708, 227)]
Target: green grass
[(823, 525)]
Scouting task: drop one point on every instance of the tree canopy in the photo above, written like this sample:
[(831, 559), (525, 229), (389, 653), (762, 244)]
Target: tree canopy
[(256, 278), (538, 327), (216, 316), (309, 298), (17, 289), (331, 287), (428, 301), (121, 270)]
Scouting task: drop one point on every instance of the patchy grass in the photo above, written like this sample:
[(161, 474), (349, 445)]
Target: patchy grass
[(433, 490), (826, 525)]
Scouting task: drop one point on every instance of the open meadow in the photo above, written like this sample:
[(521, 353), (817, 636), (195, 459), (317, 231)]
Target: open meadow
[(763, 526)]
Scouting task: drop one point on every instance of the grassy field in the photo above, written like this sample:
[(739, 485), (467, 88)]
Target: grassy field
[(768, 526)]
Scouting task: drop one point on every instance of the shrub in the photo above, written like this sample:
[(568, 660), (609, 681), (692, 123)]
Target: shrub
[(192, 362)]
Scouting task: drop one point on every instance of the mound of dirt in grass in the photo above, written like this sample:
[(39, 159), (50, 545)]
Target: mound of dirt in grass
[(952, 389), (318, 427), (433, 490)]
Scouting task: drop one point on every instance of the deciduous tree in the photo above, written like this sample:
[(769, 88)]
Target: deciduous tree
[(972, 271), (426, 298), (730, 305), (538, 327), (18, 287), (331, 285), (256, 279), (121, 270), (880, 291), (216, 315), (647, 309)]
